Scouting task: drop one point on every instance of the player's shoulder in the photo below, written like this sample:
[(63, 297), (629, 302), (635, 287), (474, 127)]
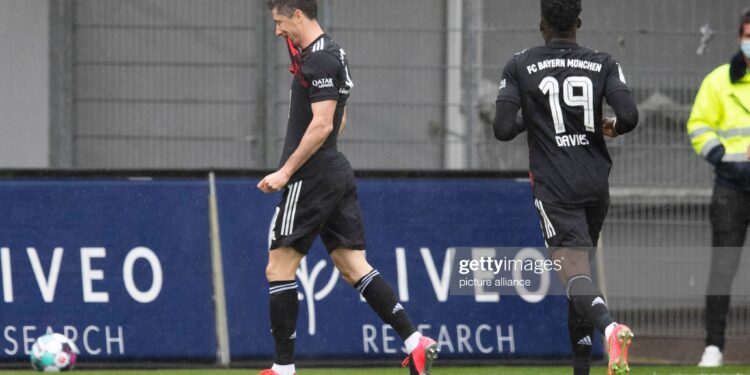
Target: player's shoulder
[(520, 58), (525, 53), (323, 52), (595, 54), (608, 62), (324, 46), (530, 54)]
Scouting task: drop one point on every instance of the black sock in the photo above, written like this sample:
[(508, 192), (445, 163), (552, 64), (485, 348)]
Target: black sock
[(588, 302), (379, 295), (581, 340), (284, 308)]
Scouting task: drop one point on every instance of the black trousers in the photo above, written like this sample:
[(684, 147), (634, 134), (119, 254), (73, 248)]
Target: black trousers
[(730, 216)]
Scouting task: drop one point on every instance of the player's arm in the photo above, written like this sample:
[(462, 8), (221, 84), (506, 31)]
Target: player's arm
[(621, 99), (506, 125), (626, 114), (319, 130)]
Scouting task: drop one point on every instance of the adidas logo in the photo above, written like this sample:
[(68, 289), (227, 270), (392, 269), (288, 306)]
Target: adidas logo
[(585, 341), (397, 308), (598, 301)]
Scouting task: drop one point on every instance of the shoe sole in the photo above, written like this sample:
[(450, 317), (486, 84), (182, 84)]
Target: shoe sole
[(430, 355), (621, 366)]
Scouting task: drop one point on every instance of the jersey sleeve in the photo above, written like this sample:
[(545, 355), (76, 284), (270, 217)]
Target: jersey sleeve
[(323, 71), (615, 78), (509, 91)]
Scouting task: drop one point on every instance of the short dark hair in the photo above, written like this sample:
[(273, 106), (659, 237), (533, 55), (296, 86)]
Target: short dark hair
[(561, 15), (744, 19), (287, 7)]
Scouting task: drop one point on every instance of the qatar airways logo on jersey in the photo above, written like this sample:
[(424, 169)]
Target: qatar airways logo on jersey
[(323, 83)]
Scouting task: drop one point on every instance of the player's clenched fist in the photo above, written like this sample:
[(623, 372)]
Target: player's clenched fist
[(274, 182), (608, 126)]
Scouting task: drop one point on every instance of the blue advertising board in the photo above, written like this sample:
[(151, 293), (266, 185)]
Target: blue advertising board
[(414, 229), (121, 267), (124, 269)]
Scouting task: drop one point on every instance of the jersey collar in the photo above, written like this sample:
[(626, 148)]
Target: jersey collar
[(561, 44), (738, 69)]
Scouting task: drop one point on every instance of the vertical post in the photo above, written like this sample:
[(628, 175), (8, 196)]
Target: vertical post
[(262, 110), (220, 304), (61, 84), (472, 25), (269, 82), (455, 126)]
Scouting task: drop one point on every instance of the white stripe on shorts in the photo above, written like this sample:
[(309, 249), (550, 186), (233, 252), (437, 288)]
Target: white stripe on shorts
[(271, 234), (294, 208), (290, 208), (547, 223), (286, 208)]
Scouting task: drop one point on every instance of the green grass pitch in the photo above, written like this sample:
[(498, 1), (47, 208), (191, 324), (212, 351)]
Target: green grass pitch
[(636, 370)]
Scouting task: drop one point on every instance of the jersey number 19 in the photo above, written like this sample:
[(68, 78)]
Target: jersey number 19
[(551, 87)]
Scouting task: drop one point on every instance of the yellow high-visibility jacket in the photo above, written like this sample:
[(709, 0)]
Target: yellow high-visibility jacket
[(721, 117)]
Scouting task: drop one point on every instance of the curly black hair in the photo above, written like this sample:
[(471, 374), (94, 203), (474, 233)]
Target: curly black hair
[(744, 19), (561, 15), (287, 7)]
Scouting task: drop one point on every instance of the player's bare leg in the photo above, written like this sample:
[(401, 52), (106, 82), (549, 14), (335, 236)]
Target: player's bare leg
[(282, 264), (573, 262), (380, 296), (352, 264)]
